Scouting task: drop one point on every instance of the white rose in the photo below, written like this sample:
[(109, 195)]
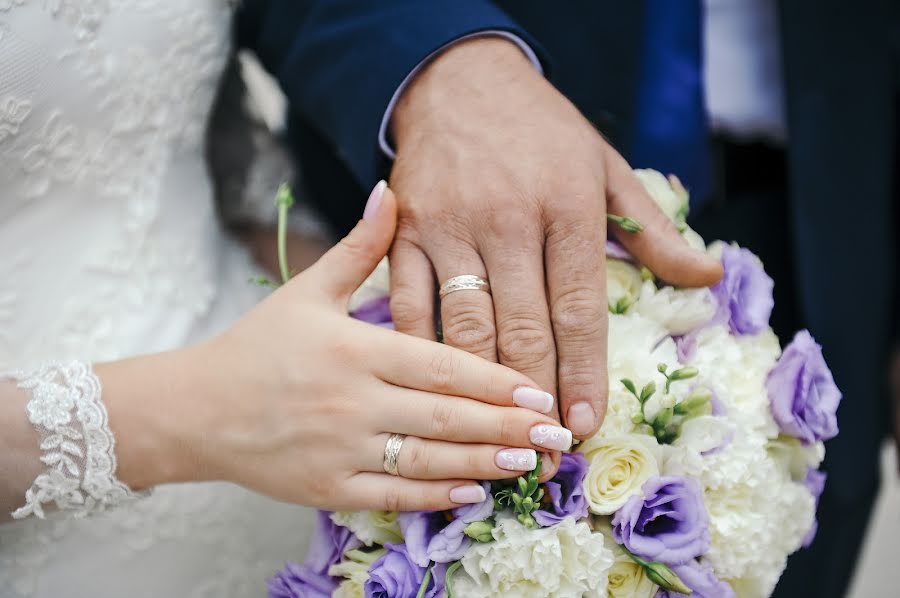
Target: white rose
[(678, 310), (551, 562), (628, 580), (617, 468), (659, 188), (623, 284), (371, 527)]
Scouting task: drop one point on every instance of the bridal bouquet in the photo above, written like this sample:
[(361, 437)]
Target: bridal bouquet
[(702, 480)]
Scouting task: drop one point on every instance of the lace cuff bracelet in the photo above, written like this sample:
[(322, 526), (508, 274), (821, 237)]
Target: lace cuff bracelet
[(77, 445)]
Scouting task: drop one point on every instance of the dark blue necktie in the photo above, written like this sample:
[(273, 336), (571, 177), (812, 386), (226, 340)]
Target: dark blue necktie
[(671, 133)]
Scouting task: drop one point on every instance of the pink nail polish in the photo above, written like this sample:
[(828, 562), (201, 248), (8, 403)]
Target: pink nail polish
[(470, 494), (534, 399), (550, 437), (516, 459), (580, 418), (374, 201)]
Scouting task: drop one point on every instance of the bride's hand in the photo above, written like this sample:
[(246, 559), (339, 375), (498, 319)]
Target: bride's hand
[(297, 400)]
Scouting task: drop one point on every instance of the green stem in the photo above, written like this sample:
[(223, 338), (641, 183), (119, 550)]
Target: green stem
[(282, 243), (284, 200), (425, 581), (448, 579)]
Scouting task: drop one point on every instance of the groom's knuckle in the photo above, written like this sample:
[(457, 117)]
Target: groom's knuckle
[(578, 313), (469, 327), (406, 310), (524, 341)]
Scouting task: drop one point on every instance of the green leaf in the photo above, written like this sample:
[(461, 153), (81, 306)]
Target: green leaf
[(630, 386), (647, 391)]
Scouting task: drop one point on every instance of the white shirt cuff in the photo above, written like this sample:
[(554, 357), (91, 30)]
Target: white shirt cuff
[(386, 119)]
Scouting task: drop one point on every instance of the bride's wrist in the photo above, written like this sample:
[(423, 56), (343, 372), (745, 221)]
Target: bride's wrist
[(150, 414)]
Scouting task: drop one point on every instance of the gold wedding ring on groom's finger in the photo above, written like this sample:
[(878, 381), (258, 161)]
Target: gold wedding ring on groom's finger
[(465, 282), (392, 453)]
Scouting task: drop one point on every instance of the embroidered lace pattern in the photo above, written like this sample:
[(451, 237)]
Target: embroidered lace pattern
[(76, 443)]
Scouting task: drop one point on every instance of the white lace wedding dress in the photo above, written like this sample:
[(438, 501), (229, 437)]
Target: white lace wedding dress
[(110, 247)]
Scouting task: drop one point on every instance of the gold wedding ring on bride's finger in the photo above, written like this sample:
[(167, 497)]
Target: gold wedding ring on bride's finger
[(392, 453), (465, 282)]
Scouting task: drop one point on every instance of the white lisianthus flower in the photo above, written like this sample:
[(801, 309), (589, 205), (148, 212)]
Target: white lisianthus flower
[(349, 588), (617, 468), (628, 580), (659, 188), (796, 457), (355, 573), (623, 285), (561, 561), (705, 433), (371, 527), (677, 310)]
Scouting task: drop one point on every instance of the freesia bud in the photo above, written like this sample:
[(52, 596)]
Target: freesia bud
[(665, 578), (480, 531)]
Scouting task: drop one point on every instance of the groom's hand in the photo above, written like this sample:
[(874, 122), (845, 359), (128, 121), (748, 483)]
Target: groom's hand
[(498, 175)]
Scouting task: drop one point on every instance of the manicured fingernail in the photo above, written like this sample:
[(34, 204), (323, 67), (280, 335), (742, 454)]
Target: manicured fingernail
[(580, 419), (374, 201), (554, 438), (516, 459), (464, 495), (534, 399)]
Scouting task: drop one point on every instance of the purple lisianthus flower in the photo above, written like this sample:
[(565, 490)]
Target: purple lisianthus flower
[(701, 579), (395, 575), (375, 311), (431, 536), (744, 294), (566, 491), (815, 483), (311, 579), (300, 581), (802, 393), (668, 524)]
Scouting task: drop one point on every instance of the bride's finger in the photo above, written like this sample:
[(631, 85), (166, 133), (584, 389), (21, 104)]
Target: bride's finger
[(456, 419), (424, 365), (423, 459), (385, 492)]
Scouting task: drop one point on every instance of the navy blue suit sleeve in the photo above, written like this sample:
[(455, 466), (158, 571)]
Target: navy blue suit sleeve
[(340, 61)]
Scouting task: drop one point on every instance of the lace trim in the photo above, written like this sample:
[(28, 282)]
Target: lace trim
[(76, 442)]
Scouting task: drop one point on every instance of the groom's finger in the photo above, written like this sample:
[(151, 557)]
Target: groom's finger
[(576, 277), (524, 333), (467, 316), (659, 246), (412, 290)]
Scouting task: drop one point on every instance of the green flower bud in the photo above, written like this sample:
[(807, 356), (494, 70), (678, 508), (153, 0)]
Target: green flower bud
[(663, 418), (696, 403), (684, 373), (637, 418), (665, 578), (661, 368), (480, 531)]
